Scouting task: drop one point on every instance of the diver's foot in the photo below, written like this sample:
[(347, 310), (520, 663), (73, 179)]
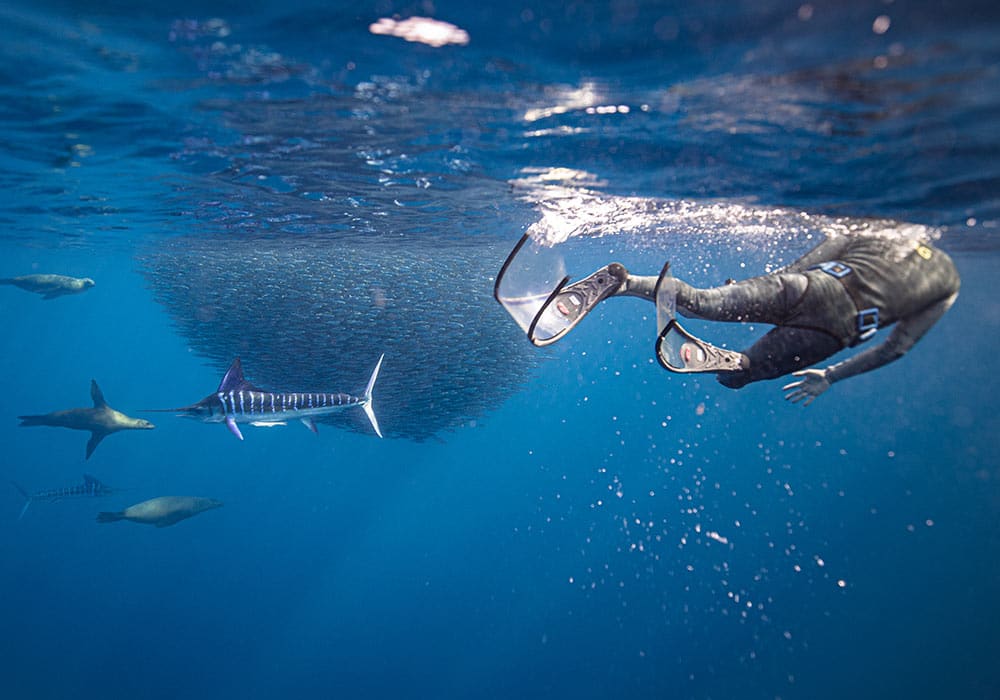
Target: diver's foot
[(580, 297)]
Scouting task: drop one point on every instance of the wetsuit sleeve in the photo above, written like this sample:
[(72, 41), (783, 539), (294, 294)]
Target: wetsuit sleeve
[(903, 337)]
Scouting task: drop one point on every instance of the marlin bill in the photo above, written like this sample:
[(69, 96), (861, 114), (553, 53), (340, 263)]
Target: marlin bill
[(91, 487), (238, 401)]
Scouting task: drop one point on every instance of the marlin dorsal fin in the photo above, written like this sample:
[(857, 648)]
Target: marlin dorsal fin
[(234, 381), (97, 395)]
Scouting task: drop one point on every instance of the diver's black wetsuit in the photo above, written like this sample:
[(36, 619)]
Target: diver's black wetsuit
[(826, 300)]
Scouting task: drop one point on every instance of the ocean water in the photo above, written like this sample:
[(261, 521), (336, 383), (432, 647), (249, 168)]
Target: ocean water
[(288, 183)]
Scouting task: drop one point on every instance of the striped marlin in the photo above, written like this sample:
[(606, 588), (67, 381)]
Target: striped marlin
[(238, 401), (90, 487)]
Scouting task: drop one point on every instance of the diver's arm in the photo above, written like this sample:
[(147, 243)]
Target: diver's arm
[(903, 337)]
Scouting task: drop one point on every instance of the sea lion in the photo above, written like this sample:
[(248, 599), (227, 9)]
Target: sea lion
[(50, 286), (101, 420), (162, 511)]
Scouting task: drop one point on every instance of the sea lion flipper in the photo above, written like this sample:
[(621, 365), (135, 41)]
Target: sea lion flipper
[(95, 439), (97, 395)]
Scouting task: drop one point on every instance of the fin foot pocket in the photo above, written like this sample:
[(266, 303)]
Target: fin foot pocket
[(567, 305), (679, 351)]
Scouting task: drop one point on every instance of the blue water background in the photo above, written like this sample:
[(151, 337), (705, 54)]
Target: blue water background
[(608, 531)]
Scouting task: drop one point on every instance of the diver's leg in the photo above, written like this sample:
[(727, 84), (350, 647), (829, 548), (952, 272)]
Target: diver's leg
[(642, 286), (764, 299), (781, 351)]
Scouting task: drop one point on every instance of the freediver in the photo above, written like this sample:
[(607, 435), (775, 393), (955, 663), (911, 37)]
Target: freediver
[(834, 297)]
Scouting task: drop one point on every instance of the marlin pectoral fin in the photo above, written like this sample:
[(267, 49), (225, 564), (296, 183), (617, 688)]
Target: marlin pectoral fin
[(310, 423), (267, 423), (95, 439), (233, 428)]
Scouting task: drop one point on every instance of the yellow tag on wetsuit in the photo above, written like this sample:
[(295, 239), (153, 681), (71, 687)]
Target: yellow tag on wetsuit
[(924, 252)]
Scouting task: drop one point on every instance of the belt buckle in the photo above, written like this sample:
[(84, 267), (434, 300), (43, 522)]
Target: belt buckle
[(834, 268), (867, 323)]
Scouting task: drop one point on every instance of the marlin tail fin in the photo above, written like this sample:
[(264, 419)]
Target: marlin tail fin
[(367, 398), (27, 499)]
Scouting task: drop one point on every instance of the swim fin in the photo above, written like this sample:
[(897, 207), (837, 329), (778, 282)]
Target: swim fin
[(679, 351), (567, 305)]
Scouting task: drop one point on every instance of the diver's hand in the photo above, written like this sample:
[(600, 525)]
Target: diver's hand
[(812, 384)]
